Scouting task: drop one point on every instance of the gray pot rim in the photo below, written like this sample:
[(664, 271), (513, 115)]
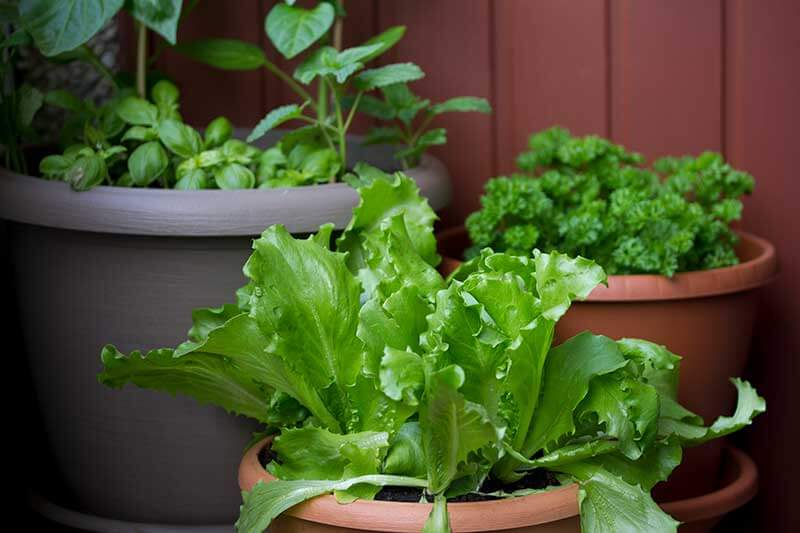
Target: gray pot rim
[(208, 213)]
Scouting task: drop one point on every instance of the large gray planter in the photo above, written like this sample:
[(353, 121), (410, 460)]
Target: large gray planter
[(127, 266)]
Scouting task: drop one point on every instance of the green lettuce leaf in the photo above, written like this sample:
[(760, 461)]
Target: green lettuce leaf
[(452, 427), (266, 501), (316, 453), (208, 378), (610, 505), (688, 428), (626, 408), (439, 519), (569, 369), (406, 456), (381, 200), (307, 302)]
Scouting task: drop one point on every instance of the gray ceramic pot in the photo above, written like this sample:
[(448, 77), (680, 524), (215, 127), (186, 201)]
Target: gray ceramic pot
[(127, 266)]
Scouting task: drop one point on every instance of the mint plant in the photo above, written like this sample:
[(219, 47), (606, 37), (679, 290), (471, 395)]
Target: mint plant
[(588, 196), (402, 107), (343, 82), (373, 371)]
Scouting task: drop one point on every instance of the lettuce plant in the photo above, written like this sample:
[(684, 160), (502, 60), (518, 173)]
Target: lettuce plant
[(588, 196), (373, 371)]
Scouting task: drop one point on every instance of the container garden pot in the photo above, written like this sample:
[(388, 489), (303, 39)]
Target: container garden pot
[(127, 266), (706, 317), (554, 511)]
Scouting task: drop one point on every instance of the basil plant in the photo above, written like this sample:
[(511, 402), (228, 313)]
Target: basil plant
[(373, 371)]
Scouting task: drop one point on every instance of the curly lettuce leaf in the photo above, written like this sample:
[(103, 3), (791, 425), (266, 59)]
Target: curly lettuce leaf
[(266, 501), (406, 456), (306, 302), (452, 427), (569, 369), (208, 378), (382, 199), (678, 422), (608, 504), (625, 408)]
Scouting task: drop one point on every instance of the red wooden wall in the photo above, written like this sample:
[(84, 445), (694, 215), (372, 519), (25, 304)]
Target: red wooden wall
[(660, 76)]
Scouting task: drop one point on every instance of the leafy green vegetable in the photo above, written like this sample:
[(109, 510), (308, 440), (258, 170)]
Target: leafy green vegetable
[(587, 196), (371, 370)]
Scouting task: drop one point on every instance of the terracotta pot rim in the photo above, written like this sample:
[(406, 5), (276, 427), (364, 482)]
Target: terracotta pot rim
[(755, 272), (551, 506), (403, 517), (740, 490)]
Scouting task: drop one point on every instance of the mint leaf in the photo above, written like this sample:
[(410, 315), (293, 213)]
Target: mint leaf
[(388, 75), (462, 104), (275, 118), (293, 29), (228, 54)]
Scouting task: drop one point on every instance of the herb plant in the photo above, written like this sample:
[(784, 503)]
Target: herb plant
[(375, 371), (343, 83), (131, 141), (588, 196)]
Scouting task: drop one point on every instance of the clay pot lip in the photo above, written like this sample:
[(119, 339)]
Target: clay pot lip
[(404, 517), (740, 490), (551, 506), (758, 268)]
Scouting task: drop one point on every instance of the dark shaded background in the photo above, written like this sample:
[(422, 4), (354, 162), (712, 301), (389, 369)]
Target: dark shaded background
[(659, 76)]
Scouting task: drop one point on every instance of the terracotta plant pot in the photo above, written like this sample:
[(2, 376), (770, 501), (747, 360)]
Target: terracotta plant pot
[(706, 317), (128, 265), (555, 511)]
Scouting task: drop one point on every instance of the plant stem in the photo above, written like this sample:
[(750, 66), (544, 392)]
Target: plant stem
[(340, 127), (302, 93), (353, 110), (93, 60), (338, 28), (141, 61)]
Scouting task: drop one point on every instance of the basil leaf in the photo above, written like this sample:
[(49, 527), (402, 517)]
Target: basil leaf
[(137, 111), (192, 181), (86, 173), (179, 138), (147, 163), (234, 176)]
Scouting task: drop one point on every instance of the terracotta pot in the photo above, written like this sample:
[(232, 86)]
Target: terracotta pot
[(127, 266), (706, 317), (555, 511)]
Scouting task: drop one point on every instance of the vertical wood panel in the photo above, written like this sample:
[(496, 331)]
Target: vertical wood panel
[(666, 72), (762, 86), (450, 40), (551, 69), (207, 92)]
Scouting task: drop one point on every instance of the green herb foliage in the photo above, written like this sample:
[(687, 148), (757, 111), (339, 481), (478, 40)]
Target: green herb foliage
[(373, 370), (134, 142), (587, 196), (342, 81)]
